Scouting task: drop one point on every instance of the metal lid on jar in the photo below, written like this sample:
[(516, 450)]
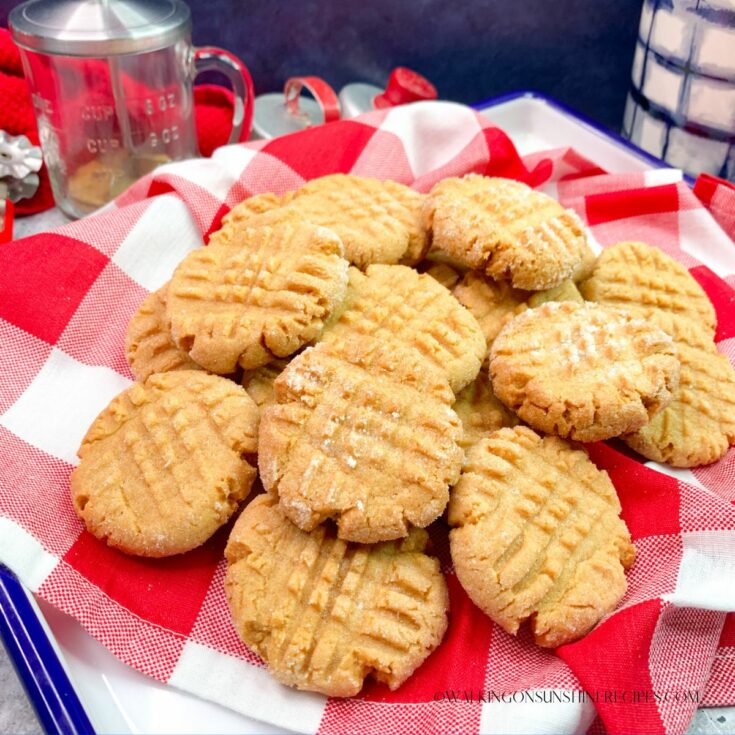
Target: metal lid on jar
[(99, 27)]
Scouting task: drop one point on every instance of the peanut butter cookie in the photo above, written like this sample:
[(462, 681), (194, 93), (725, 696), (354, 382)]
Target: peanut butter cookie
[(565, 291), (164, 465), (398, 305), (583, 371), (378, 221), (644, 279), (441, 272), (242, 215), (698, 426), (363, 432), (149, 347), (507, 230), (537, 535), (325, 614), (259, 297)]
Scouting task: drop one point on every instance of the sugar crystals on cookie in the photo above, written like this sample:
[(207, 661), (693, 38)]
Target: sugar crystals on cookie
[(583, 371)]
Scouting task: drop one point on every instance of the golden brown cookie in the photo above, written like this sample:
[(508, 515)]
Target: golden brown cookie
[(643, 279), (259, 297), (259, 382), (378, 221), (583, 371), (492, 303), (325, 614), (507, 230), (164, 465), (537, 535), (363, 432), (699, 424), (398, 305), (480, 411), (243, 214), (149, 347)]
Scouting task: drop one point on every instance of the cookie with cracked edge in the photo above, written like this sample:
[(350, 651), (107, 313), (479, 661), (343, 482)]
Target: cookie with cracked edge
[(507, 230), (537, 535), (149, 347), (698, 426), (257, 298), (325, 614), (378, 221), (583, 371), (363, 433), (165, 464), (396, 304)]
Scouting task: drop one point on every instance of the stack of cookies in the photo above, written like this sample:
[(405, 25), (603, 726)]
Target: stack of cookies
[(385, 359)]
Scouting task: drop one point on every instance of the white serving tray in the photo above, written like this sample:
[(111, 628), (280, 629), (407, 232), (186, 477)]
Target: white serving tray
[(117, 698)]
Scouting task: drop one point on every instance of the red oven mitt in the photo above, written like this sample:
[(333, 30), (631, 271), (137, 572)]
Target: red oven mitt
[(213, 109)]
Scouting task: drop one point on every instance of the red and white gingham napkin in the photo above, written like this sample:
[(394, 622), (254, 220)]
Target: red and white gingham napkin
[(65, 299)]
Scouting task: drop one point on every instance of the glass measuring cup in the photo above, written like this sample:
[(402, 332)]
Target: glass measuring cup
[(111, 84)]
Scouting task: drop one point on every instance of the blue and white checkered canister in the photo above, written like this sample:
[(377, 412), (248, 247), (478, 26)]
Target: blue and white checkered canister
[(681, 105)]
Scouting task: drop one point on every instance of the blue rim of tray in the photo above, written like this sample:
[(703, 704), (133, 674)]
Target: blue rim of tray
[(42, 674), (39, 668)]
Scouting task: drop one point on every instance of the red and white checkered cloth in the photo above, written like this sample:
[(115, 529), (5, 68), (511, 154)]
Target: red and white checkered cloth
[(65, 299)]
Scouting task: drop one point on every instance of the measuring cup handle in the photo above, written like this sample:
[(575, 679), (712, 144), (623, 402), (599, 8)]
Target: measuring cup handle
[(211, 58)]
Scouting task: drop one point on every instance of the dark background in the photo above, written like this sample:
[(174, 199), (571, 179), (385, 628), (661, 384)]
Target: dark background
[(579, 51)]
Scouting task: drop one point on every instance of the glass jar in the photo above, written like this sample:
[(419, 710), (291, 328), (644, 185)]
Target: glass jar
[(111, 85)]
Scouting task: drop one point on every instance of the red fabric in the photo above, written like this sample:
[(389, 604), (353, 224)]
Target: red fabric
[(718, 196), (65, 299), (63, 272), (213, 110), (144, 586)]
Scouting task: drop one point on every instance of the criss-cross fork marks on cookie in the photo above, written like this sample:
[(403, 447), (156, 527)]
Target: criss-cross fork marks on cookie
[(507, 230), (363, 433), (378, 221), (398, 305), (538, 536), (163, 466), (583, 371), (324, 614), (149, 347), (698, 426), (262, 296), (644, 280)]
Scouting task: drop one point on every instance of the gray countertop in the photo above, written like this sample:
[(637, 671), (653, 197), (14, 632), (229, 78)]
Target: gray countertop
[(16, 713)]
